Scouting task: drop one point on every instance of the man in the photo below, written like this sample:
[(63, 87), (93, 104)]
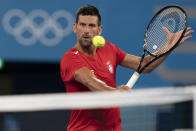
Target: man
[(87, 68)]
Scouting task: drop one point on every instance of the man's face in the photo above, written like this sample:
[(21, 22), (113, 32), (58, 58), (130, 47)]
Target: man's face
[(86, 28)]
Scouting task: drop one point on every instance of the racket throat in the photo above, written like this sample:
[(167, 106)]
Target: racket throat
[(141, 61)]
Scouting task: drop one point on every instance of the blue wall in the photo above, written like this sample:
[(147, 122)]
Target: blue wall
[(124, 24)]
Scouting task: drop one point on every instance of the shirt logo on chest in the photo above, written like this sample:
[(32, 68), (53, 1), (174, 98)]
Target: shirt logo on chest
[(110, 67)]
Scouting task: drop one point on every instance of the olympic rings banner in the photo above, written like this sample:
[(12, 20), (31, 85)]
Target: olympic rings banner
[(41, 31), (37, 30)]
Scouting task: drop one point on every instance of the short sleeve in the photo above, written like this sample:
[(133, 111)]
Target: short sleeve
[(69, 64), (120, 55)]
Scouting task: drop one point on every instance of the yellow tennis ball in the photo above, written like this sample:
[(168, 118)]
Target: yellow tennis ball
[(98, 41)]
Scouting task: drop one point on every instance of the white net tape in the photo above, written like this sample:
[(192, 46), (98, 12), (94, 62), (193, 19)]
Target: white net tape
[(59, 101)]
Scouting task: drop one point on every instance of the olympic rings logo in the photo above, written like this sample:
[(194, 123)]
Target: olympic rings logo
[(38, 31)]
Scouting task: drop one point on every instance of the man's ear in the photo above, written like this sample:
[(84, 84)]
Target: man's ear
[(100, 29), (74, 28)]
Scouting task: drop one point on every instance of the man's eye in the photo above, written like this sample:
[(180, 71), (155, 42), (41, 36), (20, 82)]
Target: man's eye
[(92, 25), (82, 24)]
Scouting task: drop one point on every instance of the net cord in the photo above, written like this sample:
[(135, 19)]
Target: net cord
[(64, 101)]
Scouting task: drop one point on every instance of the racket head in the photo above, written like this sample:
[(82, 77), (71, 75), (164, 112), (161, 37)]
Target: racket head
[(174, 18)]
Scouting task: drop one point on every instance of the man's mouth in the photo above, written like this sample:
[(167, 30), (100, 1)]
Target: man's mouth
[(86, 37)]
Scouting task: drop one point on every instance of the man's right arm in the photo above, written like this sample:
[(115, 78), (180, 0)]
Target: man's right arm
[(87, 78)]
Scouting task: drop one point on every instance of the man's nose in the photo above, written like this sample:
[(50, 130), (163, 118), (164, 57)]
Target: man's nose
[(86, 29)]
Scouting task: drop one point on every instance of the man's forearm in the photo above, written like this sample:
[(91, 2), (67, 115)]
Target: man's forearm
[(153, 65), (87, 78), (95, 84)]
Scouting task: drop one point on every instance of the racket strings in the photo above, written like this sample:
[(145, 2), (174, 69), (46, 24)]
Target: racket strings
[(157, 40)]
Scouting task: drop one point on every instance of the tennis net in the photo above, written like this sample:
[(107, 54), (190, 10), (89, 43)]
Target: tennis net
[(152, 109)]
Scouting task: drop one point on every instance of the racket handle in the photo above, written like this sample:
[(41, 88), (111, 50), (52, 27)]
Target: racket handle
[(133, 79)]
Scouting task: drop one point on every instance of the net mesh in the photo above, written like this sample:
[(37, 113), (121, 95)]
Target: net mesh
[(154, 109), (174, 20)]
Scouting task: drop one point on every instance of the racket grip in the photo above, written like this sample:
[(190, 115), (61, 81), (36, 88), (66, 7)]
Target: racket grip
[(133, 79)]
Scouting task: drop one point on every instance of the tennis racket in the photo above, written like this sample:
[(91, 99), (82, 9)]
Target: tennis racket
[(160, 36)]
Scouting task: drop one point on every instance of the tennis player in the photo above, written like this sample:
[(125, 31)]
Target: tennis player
[(87, 68)]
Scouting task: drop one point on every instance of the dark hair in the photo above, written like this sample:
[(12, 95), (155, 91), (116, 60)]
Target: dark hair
[(89, 10)]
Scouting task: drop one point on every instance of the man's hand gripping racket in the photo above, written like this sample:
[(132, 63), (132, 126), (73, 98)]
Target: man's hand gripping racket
[(167, 30)]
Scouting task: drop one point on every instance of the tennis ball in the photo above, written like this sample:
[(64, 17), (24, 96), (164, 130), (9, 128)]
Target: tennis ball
[(98, 41)]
